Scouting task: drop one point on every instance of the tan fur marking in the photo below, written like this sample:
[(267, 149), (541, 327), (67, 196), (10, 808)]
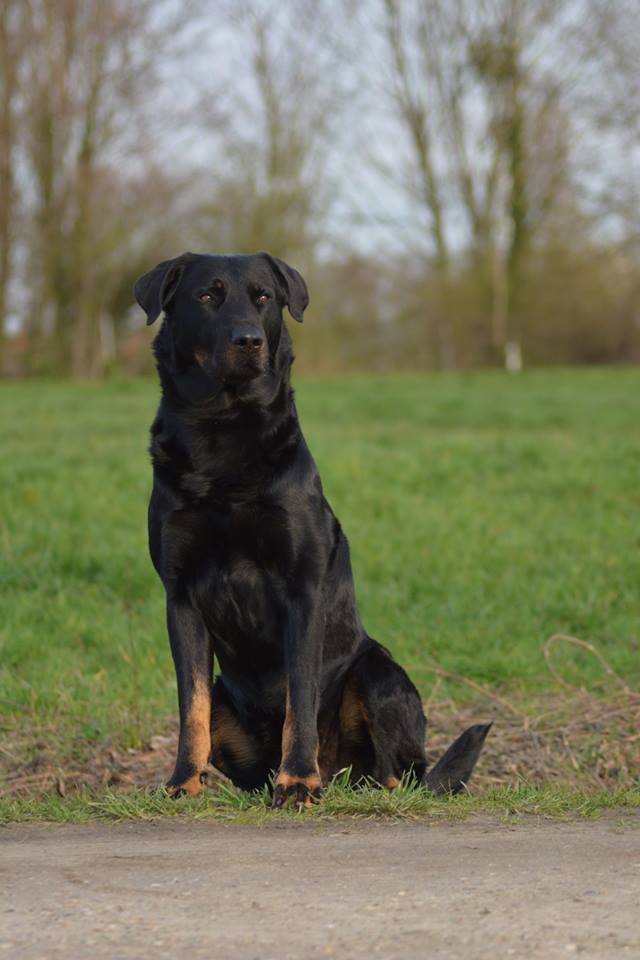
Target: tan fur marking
[(198, 733), (287, 731), (197, 737), (192, 786), (353, 716), (229, 735), (286, 780), (201, 357), (391, 783)]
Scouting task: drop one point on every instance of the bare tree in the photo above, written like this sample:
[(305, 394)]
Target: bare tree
[(85, 76), (268, 171), (480, 104), (414, 94)]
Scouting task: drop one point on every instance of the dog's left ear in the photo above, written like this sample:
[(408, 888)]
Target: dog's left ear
[(293, 286), (154, 289)]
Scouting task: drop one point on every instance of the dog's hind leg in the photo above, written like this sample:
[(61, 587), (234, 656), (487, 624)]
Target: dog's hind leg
[(382, 724), (383, 729)]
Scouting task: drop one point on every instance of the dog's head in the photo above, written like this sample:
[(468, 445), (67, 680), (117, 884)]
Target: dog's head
[(223, 325)]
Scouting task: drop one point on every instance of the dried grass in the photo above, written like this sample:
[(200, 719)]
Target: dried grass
[(568, 736)]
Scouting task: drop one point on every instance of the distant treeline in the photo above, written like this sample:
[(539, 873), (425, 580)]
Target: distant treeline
[(458, 180)]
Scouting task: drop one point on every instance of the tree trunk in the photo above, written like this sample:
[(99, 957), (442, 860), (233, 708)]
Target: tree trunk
[(518, 213), (8, 71)]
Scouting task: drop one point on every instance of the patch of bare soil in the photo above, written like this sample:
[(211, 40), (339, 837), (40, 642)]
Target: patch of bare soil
[(471, 891)]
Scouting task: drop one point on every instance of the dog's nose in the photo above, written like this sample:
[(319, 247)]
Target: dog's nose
[(248, 339)]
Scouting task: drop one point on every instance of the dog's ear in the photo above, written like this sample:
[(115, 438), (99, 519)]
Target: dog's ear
[(154, 289), (296, 295)]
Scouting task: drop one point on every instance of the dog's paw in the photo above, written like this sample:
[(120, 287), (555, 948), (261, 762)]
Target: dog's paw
[(187, 787), (296, 791)]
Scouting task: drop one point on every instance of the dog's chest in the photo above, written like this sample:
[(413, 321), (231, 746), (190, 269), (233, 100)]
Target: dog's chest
[(233, 561)]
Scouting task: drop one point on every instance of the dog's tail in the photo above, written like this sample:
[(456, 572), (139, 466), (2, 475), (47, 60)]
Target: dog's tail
[(454, 768)]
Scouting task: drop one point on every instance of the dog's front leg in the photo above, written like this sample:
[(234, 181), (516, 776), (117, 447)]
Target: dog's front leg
[(193, 658), (298, 780)]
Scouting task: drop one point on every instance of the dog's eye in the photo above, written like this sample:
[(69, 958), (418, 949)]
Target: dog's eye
[(204, 297), (262, 298)]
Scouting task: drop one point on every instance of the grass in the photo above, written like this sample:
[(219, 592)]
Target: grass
[(407, 802), (484, 512)]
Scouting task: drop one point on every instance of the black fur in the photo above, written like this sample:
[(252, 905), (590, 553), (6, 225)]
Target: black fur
[(255, 564)]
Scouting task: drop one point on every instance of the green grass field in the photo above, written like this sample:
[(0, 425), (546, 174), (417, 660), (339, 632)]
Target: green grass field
[(484, 512)]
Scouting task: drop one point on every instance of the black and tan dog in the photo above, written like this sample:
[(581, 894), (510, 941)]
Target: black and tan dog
[(255, 564)]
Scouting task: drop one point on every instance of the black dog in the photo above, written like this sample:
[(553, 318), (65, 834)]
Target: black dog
[(255, 565)]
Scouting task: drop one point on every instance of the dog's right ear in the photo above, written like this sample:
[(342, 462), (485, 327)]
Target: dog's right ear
[(154, 289)]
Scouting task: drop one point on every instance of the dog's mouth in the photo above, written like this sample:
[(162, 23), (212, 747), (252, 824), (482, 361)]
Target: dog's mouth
[(238, 367), (244, 368)]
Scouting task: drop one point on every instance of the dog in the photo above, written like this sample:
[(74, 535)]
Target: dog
[(254, 562)]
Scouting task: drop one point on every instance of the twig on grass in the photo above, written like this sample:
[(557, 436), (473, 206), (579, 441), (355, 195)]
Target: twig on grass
[(459, 678), (566, 638)]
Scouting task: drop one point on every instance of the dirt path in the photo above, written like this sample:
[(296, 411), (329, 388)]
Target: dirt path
[(477, 889)]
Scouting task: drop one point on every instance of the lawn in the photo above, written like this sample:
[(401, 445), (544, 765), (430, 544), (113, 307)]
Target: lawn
[(485, 513)]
